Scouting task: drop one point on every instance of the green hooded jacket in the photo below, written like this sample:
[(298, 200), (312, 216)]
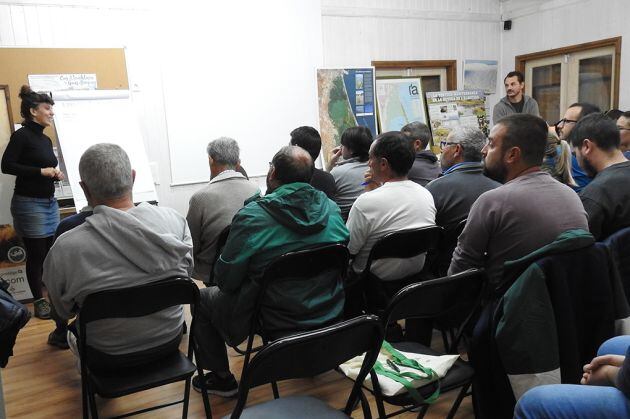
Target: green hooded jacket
[(295, 216)]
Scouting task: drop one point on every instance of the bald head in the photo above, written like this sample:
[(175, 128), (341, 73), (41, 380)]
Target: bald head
[(292, 164)]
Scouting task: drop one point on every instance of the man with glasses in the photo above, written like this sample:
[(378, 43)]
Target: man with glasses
[(623, 123), (573, 114), (462, 178)]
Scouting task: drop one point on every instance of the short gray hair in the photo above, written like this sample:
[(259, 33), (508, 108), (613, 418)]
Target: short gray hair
[(106, 170), (225, 151), (471, 139), (417, 131)]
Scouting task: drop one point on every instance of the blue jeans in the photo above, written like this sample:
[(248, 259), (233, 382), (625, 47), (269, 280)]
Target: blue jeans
[(578, 401)]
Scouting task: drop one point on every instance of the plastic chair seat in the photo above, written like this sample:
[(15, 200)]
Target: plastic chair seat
[(172, 368), (291, 407), (459, 374)]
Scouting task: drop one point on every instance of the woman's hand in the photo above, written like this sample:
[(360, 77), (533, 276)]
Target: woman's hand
[(49, 172), (52, 173), (335, 154)]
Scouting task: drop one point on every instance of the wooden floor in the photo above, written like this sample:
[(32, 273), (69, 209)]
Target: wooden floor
[(41, 381)]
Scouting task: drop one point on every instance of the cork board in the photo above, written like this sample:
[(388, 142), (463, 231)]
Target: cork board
[(17, 63)]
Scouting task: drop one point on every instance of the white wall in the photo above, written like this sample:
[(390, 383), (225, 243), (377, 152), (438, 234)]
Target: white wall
[(354, 32), (358, 32), (553, 24)]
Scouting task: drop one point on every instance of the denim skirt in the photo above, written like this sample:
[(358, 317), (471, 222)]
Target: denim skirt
[(34, 217)]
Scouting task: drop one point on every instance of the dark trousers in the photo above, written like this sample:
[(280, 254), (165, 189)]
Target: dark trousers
[(36, 251), (210, 350), (104, 362)]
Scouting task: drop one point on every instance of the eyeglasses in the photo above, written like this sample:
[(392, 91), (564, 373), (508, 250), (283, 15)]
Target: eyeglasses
[(563, 121), (444, 144)]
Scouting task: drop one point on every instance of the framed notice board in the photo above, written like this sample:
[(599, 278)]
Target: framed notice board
[(17, 63)]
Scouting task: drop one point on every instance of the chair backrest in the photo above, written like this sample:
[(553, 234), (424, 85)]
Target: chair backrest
[(405, 244), (138, 301), (439, 259), (221, 240), (437, 298), (309, 284), (310, 353), (618, 245)]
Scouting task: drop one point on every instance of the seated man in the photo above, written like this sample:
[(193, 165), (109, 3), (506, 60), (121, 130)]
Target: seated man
[(120, 245), (574, 113), (58, 337), (529, 211), (623, 123), (212, 208), (399, 204), (425, 166), (291, 216), (309, 139), (595, 141), (463, 180), (604, 393)]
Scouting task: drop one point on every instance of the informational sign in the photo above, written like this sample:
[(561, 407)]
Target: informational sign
[(481, 75), (346, 99), (450, 109), (79, 117), (12, 263), (58, 82), (400, 101)]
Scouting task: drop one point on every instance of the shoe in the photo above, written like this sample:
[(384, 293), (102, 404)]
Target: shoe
[(224, 387), (42, 309), (58, 339)]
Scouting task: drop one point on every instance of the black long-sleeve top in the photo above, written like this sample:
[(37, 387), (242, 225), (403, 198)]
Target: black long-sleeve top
[(30, 150)]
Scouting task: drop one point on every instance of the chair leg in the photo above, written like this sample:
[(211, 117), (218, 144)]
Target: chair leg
[(422, 411), (444, 339), (93, 408), (458, 401), (84, 399), (274, 389), (186, 399)]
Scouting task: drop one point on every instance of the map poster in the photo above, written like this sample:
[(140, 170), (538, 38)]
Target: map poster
[(458, 107), (400, 101), (346, 99)]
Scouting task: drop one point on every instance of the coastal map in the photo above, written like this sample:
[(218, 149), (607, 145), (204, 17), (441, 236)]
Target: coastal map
[(346, 99), (400, 101)]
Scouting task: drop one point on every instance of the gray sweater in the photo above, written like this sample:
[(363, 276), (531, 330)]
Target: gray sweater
[(515, 219), (456, 191), (117, 249), (504, 108), (211, 210)]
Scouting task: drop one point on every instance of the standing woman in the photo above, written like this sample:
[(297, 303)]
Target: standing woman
[(29, 156)]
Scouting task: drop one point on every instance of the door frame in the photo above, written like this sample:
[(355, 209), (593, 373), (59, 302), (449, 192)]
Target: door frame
[(449, 65), (520, 60)]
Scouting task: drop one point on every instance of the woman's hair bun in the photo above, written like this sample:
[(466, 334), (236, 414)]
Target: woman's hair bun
[(25, 91)]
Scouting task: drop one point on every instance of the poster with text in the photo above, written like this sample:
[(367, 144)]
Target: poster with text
[(346, 99), (458, 107), (400, 101)]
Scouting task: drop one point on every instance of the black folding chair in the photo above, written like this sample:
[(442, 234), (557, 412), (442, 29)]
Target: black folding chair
[(433, 299), (440, 258), (328, 263), (306, 355), (403, 244), (136, 302)]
